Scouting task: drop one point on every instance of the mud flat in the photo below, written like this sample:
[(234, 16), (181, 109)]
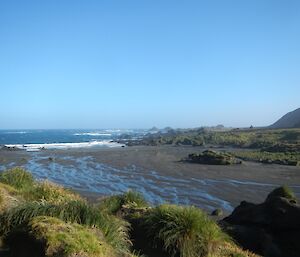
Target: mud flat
[(157, 173)]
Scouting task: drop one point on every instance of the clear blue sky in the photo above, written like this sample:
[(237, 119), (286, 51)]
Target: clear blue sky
[(109, 64)]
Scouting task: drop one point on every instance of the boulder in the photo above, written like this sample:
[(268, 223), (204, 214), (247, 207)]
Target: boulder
[(271, 228)]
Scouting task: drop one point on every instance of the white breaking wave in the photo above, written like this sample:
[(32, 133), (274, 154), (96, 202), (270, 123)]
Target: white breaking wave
[(38, 147), (113, 130), (92, 134), (15, 132), (118, 131)]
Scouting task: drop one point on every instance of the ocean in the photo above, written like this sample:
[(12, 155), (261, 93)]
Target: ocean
[(34, 140)]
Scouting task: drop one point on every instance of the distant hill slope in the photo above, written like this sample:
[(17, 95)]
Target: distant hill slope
[(289, 120)]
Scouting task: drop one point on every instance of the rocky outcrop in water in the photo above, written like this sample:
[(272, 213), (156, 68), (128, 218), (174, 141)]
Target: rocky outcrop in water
[(271, 228)]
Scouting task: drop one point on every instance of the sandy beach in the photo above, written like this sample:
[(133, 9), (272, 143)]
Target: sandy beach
[(157, 172)]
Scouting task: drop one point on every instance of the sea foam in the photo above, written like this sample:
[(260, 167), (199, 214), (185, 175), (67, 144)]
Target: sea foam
[(92, 134), (15, 132), (38, 147)]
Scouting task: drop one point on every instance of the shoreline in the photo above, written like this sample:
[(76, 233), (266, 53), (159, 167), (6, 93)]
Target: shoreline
[(157, 172)]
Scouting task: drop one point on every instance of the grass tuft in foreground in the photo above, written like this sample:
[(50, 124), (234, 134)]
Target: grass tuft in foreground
[(186, 231), (115, 230)]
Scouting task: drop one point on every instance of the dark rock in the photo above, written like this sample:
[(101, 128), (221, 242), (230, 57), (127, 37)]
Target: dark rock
[(271, 228), (254, 238)]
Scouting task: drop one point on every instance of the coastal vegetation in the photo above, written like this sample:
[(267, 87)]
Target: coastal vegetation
[(283, 158), (39, 218), (279, 146), (245, 138)]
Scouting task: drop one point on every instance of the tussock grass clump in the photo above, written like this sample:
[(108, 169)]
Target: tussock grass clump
[(50, 192), (283, 191), (58, 238), (115, 230), (186, 231), (24, 185), (17, 178), (114, 203)]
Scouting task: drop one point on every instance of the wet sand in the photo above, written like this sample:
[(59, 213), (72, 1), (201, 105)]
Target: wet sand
[(157, 172)]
